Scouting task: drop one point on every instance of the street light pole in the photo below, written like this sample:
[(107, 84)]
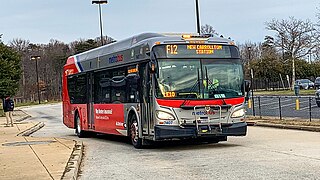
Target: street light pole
[(36, 58), (99, 3), (197, 16), (251, 77)]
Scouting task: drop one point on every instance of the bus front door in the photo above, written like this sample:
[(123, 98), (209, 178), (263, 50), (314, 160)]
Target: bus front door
[(146, 120), (90, 109)]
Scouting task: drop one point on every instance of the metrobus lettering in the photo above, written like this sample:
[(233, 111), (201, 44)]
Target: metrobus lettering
[(200, 113), (115, 59)]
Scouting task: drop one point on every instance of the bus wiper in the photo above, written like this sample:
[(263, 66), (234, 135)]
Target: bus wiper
[(191, 89), (210, 83)]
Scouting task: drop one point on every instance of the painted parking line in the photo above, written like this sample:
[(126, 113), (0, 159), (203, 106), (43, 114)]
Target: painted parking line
[(264, 100), (308, 107), (288, 105), (291, 104), (276, 102)]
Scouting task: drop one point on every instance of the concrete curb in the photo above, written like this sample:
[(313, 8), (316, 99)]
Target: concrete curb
[(286, 126), (72, 169), (31, 130), (23, 118)]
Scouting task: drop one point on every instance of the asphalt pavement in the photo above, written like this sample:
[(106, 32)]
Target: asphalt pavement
[(26, 157), (286, 107)]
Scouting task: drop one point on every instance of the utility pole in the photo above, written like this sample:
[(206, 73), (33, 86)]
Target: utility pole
[(197, 16)]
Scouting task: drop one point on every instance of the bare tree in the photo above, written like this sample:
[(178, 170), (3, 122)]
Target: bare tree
[(295, 37), (208, 29), (21, 46), (316, 52)]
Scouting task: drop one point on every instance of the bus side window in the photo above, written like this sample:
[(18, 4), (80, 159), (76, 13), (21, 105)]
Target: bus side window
[(77, 89), (105, 88), (118, 86), (102, 89), (71, 88), (132, 84), (81, 89)]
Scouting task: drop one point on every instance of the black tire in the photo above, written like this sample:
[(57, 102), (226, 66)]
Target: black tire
[(318, 104), (134, 132), (79, 132)]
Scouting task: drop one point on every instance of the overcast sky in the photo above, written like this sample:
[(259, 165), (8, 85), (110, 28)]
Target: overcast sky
[(69, 20)]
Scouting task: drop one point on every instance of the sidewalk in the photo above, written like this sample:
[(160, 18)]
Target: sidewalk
[(296, 124), (23, 157)]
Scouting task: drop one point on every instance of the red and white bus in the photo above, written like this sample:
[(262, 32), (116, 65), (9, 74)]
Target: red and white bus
[(157, 87)]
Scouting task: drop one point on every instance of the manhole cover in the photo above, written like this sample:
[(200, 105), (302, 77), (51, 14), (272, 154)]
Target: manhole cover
[(27, 143)]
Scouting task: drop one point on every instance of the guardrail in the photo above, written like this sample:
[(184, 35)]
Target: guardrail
[(284, 107)]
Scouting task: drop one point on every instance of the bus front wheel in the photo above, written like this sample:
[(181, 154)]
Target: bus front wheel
[(134, 133)]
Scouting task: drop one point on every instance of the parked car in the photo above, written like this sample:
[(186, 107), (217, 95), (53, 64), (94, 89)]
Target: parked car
[(317, 83), (318, 97), (304, 83)]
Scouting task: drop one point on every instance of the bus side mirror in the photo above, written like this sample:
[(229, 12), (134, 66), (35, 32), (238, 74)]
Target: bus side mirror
[(152, 67)]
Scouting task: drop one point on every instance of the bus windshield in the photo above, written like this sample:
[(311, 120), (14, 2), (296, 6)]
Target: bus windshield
[(199, 78)]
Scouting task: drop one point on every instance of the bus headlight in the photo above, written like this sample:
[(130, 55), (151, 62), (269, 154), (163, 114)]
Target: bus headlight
[(164, 115), (238, 113)]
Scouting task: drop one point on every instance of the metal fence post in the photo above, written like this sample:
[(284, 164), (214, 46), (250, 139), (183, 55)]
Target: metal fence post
[(253, 110), (310, 108), (259, 107), (280, 108)]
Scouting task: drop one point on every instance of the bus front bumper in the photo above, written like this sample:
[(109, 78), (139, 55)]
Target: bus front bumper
[(170, 132)]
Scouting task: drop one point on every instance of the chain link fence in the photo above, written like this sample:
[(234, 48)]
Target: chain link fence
[(284, 107)]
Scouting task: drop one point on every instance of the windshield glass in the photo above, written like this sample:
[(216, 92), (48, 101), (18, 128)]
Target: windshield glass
[(199, 78)]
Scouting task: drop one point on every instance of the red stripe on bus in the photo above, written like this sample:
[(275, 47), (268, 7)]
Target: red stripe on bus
[(178, 103)]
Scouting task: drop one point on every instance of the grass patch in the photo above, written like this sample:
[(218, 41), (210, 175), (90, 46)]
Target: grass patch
[(293, 122), (309, 92)]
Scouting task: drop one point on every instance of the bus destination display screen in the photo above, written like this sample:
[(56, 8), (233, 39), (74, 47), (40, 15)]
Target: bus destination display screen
[(196, 51)]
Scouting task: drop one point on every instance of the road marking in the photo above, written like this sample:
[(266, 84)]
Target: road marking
[(289, 105), (276, 102), (308, 107), (263, 100)]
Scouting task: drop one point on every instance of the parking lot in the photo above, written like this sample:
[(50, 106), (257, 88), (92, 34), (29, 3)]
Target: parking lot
[(285, 107)]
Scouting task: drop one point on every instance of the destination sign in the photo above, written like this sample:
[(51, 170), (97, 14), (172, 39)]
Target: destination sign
[(196, 51)]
